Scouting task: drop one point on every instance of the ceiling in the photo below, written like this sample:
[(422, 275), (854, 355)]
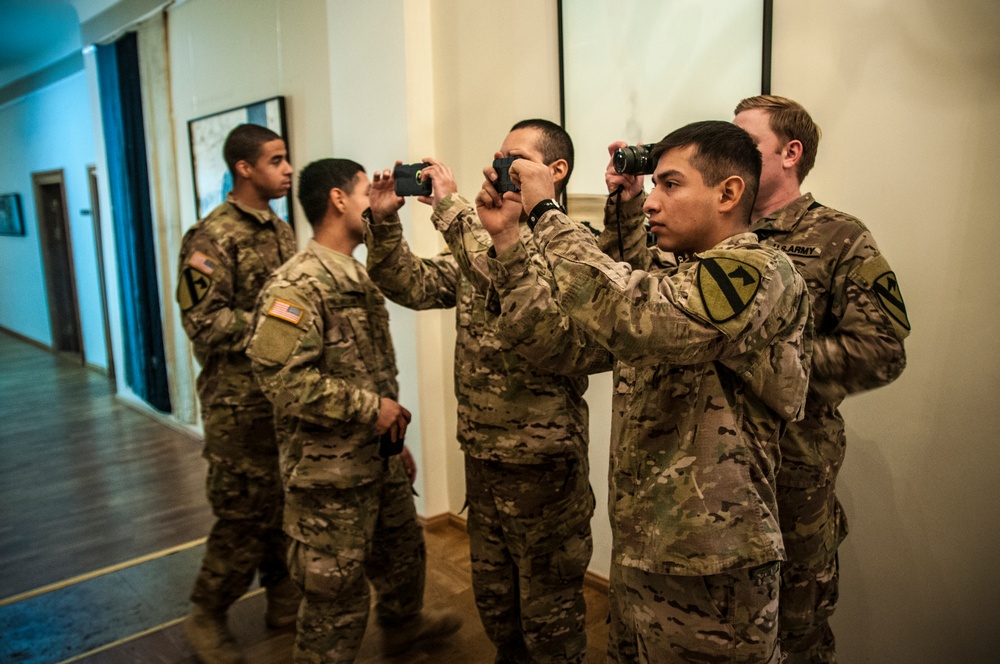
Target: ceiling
[(37, 33)]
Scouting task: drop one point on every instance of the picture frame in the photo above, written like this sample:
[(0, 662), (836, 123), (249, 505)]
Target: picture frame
[(11, 215), (207, 134), (654, 66)]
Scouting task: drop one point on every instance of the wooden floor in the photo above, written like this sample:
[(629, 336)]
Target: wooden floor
[(87, 484)]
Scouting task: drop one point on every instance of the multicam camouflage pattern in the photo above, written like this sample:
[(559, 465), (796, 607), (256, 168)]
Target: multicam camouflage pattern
[(667, 618), (245, 539), (860, 324), (521, 418), (692, 485), (365, 534), (323, 355), (508, 409), (533, 523), (224, 261), (325, 368)]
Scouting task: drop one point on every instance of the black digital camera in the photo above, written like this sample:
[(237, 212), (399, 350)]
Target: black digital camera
[(502, 167), (408, 182), (634, 160)]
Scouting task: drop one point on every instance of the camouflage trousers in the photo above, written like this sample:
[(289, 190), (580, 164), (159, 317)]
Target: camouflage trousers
[(355, 536), (244, 489), (716, 619), (530, 544), (812, 525)]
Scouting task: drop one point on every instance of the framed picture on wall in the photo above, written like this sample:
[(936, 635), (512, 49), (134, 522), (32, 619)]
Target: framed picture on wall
[(11, 217), (212, 179)]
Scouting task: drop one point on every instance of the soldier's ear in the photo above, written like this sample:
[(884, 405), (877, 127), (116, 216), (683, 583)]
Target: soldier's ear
[(791, 153), (243, 168), (730, 192), (338, 199)]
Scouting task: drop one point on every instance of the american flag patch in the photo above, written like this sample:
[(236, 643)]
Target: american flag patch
[(285, 310), (202, 263)]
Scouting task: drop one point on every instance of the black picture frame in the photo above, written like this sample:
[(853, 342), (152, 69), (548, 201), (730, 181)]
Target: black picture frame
[(11, 215), (206, 135)]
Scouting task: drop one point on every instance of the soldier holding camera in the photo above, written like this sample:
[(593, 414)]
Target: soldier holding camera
[(523, 429), (324, 357), (713, 360)]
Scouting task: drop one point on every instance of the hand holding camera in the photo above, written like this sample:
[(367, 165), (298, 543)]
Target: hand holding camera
[(382, 198), (629, 185), (429, 180)]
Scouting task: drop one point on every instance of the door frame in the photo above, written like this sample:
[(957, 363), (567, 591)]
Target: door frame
[(38, 180), (95, 213)]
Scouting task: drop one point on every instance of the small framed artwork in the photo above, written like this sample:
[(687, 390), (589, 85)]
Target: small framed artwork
[(212, 179), (11, 217)]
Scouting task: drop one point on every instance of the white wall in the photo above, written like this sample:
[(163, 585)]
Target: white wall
[(907, 93), (49, 129)]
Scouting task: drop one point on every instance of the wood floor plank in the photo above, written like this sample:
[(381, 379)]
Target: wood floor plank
[(87, 482)]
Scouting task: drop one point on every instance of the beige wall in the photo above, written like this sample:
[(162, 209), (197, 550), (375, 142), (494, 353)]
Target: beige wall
[(908, 95)]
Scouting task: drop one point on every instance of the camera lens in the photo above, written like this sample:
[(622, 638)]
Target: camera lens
[(633, 160)]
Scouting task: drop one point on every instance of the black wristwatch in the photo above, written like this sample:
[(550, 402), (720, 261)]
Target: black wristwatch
[(541, 208)]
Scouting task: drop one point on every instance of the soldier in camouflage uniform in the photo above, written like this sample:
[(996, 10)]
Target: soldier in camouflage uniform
[(225, 260), (523, 429), (860, 323), (323, 355), (713, 362)]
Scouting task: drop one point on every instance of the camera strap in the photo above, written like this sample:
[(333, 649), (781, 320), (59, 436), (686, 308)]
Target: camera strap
[(617, 194)]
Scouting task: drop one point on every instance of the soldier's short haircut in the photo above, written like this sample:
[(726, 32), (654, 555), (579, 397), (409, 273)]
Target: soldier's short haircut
[(721, 150), (319, 178), (790, 122), (244, 143), (555, 143)]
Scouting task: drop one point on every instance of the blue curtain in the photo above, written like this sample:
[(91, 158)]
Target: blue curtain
[(124, 138)]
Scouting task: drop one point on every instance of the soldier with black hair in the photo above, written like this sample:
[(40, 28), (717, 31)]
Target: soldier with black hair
[(224, 261)]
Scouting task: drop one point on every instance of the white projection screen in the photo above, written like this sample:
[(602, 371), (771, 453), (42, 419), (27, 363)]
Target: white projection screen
[(634, 70)]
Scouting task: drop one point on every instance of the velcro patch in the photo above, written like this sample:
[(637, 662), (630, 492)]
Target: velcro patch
[(285, 310), (876, 275), (800, 250), (886, 289), (727, 287), (202, 263), (192, 287)]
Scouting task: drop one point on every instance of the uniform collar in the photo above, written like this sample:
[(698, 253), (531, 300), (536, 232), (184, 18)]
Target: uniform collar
[(336, 263), (787, 218), (263, 216)]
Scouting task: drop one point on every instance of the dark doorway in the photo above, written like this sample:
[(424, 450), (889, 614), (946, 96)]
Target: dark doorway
[(57, 258), (95, 213)]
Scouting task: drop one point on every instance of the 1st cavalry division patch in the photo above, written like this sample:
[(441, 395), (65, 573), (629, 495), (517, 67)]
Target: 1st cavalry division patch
[(192, 287), (887, 290), (727, 287)]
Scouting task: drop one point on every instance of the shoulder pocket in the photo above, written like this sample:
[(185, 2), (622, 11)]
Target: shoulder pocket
[(875, 275), (281, 325)]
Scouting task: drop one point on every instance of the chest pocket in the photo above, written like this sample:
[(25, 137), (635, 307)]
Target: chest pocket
[(357, 343)]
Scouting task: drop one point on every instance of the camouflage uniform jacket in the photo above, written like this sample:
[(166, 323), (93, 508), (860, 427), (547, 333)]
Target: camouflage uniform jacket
[(224, 261), (706, 391), (324, 357), (859, 324), (509, 410)]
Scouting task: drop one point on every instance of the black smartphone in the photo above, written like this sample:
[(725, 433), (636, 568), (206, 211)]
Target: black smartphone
[(502, 167), (387, 448), (408, 182)]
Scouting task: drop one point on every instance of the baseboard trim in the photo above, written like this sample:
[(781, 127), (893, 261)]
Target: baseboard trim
[(591, 580), (28, 340)]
